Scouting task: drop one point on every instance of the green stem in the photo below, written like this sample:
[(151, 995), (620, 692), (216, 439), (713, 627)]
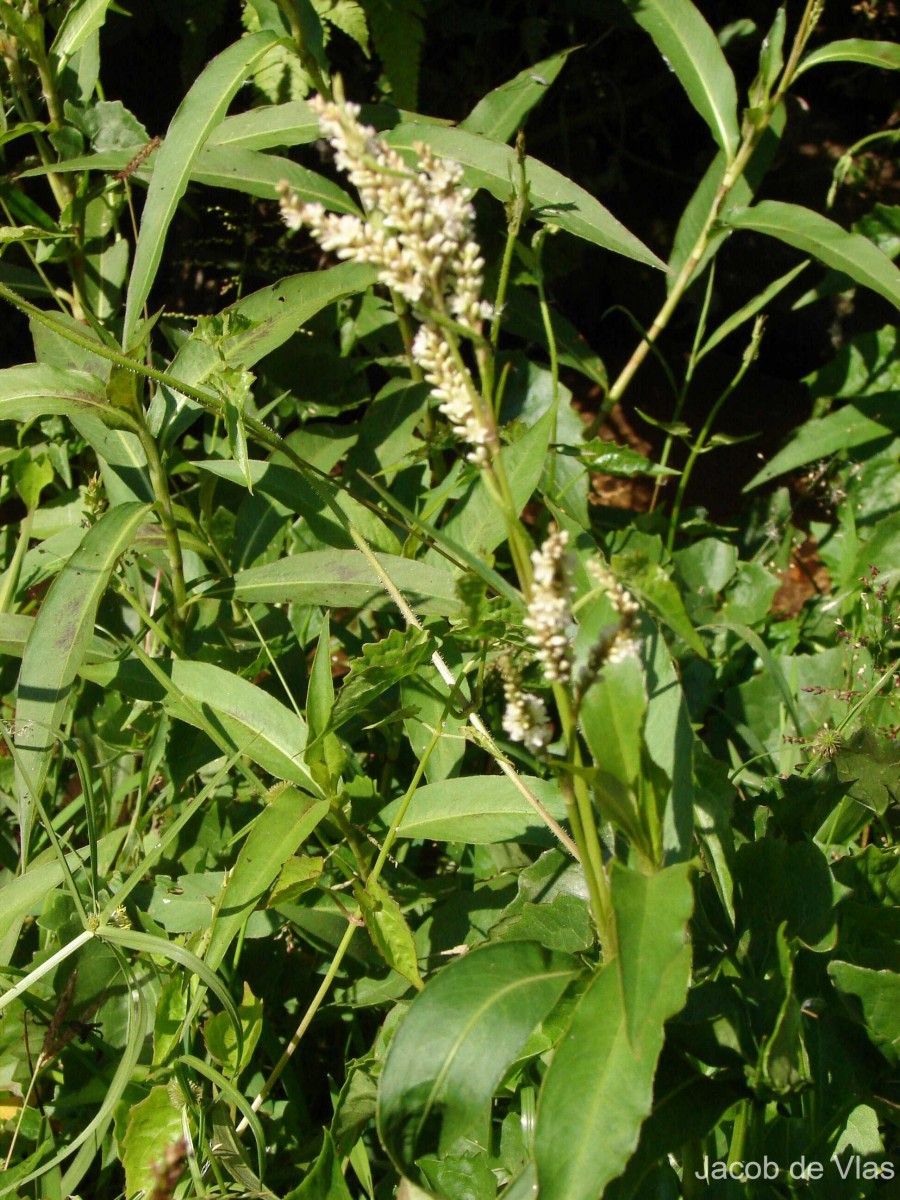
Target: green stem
[(344, 944), (9, 581), (591, 854), (732, 175), (160, 486), (700, 443)]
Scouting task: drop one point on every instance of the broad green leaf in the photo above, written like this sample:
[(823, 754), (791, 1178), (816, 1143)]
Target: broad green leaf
[(259, 174), (456, 1041), (344, 579), (858, 50), (81, 20), (261, 323), (599, 1088), (27, 233), (492, 166), (690, 49), (291, 124), (154, 1124), (280, 830), (502, 112), (326, 1179), (400, 655), (38, 390), (218, 1033), (622, 461), (814, 234), (298, 495), (201, 110), (869, 419), (244, 717), (476, 521), (57, 646), (387, 927), (612, 719), (479, 809)]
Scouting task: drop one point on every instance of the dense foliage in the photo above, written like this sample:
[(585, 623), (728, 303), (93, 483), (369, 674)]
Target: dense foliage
[(445, 751)]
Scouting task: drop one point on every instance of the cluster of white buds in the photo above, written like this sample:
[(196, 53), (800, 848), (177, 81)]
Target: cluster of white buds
[(550, 608), (418, 231), (525, 716), (624, 643)]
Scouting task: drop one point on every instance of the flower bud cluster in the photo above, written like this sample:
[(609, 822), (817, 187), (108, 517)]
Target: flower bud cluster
[(550, 608), (418, 231), (624, 643), (525, 717)]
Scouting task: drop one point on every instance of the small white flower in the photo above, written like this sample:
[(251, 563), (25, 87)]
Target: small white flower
[(550, 608), (525, 716)]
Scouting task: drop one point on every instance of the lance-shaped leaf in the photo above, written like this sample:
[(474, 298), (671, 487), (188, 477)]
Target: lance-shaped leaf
[(814, 234), (555, 198), (201, 110), (344, 579), (79, 23), (40, 390), (457, 1041), (502, 112), (691, 49), (857, 50), (57, 646), (239, 715), (599, 1088)]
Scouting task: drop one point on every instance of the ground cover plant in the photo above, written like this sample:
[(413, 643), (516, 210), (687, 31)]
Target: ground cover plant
[(412, 784)]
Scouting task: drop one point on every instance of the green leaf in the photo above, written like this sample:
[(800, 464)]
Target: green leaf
[(869, 419), (690, 49), (814, 234), (502, 112), (220, 1038), (153, 1125), (383, 664), (81, 20), (479, 809), (326, 1180), (599, 1088), (749, 310), (621, 461), (398, 32), (258, 174), (277, 833), (57, 646), (476, 521), (877, 993), (31, 476), (27, 233), (387, 927), (299, 495), (653, 586), (201, 110), (612, 719), (291, 124), (245, 718), (858, 50), (37, 390), (456, 1041), (344, 579), (492, 166), (257, 324)]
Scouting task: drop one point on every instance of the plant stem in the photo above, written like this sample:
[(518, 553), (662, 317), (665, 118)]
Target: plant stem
[(700, 443), (344, 944), (160, 486), (732, 174)]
